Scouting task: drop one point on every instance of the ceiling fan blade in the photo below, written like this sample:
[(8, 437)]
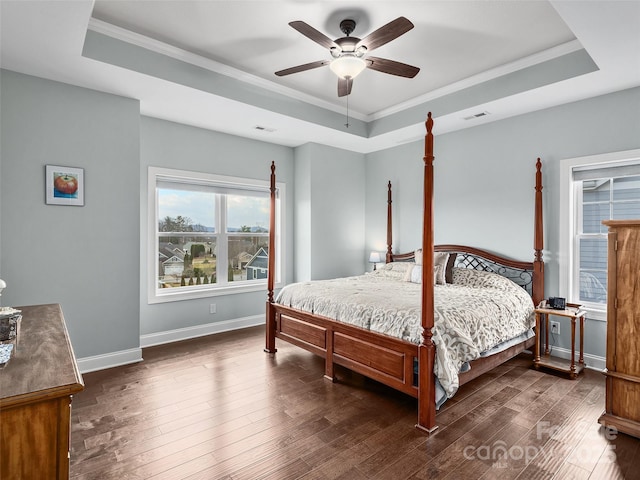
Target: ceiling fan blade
[(392, 67), (302, 68), (344, 86), (310, 32), (386, 33)]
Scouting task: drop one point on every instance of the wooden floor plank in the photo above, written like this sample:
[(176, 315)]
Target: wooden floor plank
[(218, 407)]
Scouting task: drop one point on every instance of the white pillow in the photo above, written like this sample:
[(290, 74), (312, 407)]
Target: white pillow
[(415, 275), (440, 260), (397, 266), (395, 270), (418, 256)]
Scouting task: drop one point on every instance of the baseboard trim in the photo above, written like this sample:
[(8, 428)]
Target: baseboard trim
[(134, 355), (592, 362), (109, 360), (160, 338)]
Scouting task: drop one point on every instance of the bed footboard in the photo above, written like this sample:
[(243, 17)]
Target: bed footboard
[(385, 359)]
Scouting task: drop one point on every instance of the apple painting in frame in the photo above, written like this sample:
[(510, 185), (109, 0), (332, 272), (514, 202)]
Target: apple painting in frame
[(64, 185)]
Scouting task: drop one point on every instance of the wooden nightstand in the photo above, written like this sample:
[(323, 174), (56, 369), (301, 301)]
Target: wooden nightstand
[(574, 312)]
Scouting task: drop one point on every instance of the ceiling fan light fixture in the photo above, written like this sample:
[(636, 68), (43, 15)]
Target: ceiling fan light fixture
[(347, 66)]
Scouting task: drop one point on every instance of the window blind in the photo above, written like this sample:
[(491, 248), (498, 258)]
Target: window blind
[(192, 185), (625, 169)]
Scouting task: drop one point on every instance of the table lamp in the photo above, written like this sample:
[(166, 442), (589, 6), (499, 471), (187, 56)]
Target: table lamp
[(374, 257)]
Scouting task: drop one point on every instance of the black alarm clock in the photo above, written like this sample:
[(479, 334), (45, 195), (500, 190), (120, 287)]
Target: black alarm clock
[(557, 303)]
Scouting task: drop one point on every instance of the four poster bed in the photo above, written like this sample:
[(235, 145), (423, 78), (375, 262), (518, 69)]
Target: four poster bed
[(399, 346)]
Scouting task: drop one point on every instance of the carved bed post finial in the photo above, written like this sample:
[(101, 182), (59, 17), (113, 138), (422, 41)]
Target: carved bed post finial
[(538, 239), (389, 224), (428, 144)]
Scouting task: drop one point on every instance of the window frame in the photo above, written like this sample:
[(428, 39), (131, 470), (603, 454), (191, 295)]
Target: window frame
[(570, 218), (158, 295)]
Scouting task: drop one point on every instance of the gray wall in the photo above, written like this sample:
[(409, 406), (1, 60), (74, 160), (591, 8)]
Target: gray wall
[(484, 178), (85, 258), (330, 226), (302, 214), (172, 145)]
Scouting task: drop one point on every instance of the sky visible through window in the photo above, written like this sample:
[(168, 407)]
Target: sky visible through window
[(200, 208), (247, 211)]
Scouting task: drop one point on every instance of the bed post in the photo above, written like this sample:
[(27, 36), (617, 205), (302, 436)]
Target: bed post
[(538, 241), (426, 349), (389, 223), (271, 266)]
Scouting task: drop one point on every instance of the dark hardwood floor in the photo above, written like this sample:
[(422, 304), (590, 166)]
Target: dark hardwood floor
[(218, 407)]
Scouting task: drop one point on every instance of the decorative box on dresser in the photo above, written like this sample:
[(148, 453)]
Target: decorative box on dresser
[(622, 404), (36, 387)]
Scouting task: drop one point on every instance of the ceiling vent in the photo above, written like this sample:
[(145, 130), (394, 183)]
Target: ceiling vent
[(264, 129), (476, 115)]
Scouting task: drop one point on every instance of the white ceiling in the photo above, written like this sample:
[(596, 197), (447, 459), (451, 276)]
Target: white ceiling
[(457, 45)]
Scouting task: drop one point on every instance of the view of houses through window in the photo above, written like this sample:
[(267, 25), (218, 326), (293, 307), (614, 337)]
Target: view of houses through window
[(601, 199), (209, 236)]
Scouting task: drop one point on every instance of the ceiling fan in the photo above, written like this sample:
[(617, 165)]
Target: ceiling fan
[(349, 54)]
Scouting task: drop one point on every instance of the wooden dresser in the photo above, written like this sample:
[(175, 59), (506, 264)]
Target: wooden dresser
[(35, 398), (622, 405)]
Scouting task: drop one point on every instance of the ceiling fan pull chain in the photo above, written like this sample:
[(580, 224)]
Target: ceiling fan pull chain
[(347, 124)]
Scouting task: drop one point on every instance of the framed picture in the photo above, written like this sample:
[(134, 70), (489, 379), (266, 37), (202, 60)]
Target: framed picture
[(64, 185)]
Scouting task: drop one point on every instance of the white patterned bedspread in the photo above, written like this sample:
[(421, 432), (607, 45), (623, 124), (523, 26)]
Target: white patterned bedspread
[(475, 313)]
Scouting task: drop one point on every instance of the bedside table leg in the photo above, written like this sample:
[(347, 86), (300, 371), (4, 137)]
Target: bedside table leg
[(581, 359), (573, 347), (546, 334), (536, 354)]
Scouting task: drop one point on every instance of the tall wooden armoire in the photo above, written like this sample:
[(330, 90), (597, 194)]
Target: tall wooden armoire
[(622, 405)]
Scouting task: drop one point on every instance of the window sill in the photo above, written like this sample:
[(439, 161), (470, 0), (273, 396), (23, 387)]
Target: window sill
[(204, 293), (596, 315)]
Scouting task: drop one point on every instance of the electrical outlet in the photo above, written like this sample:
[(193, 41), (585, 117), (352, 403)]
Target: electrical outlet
[(212, 308), (555, 327)]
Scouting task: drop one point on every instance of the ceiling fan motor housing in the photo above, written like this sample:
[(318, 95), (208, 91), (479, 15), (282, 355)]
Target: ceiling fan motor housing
[(347, 26), (347, 45)]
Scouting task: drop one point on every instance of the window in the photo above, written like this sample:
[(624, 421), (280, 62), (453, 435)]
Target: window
[(594, 189), (209, 234)]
